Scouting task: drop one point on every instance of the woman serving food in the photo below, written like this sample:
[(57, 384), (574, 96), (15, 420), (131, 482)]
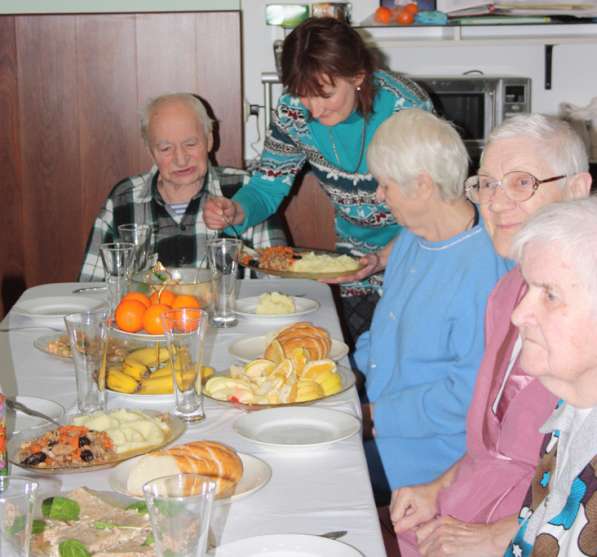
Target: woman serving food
[(335, 101)]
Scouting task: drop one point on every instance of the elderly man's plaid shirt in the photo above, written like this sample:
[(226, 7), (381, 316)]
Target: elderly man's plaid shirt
[(177, 241)]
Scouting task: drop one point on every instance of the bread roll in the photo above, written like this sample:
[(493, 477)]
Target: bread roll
[(208, 458), (314, 339)]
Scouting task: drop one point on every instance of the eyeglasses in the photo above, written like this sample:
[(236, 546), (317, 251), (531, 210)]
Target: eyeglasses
[(518, 186)]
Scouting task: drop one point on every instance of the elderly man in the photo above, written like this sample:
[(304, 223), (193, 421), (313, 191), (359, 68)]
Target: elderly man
[(557, 253), (529, 162), (170, 197)]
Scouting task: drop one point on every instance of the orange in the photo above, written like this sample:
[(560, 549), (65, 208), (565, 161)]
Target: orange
[(411, 8), (165, 297), (405, 17), (138, 296), (383, 15), (151, 320), (187, 321), (129, 315), (186, 301)]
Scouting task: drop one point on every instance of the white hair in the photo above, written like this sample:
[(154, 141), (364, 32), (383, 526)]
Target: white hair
[(191, 100), (571, 226), (557, 142), (414, 141)]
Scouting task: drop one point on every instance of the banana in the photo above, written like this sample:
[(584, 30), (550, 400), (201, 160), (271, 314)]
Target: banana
[(157, 386), (161, 372), (136, 370), (206, 372), (162, 385), (150, 356), (121, 382)]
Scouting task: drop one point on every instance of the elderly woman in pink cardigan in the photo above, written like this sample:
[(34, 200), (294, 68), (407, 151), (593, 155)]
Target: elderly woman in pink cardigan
[(470, 510)]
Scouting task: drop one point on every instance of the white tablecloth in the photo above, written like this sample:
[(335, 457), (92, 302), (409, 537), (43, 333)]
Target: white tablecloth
[(311, 490)]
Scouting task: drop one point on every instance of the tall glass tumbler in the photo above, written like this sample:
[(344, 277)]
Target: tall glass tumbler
[(140, 236), (117, 258), (17, 500), (88, 333), (185, 330), (223, 254), (180, 509)]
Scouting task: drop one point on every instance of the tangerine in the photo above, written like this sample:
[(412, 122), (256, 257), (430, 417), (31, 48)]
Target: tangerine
[(187, 319), (130, 315), (186, 301), (411, 8), (383, 14), (405, 17), (163, 297), (152, 322), (139, 296)]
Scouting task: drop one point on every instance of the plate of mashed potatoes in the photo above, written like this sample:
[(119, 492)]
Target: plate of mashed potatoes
[(275, 305), (285, 261)]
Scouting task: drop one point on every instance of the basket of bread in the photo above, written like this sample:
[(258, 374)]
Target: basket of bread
[(294, 369)]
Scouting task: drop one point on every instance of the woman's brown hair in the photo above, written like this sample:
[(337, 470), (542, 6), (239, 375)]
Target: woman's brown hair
[(325, 47)]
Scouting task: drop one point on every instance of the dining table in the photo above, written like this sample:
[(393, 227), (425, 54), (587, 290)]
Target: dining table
[(312, 489)]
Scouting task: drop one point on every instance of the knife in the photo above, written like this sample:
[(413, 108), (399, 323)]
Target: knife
[(333, 535)]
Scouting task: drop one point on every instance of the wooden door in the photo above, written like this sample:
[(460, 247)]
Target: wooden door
[(71, 87)]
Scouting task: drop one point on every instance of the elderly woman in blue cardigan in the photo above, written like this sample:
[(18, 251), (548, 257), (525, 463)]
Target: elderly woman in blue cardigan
[(421, 354)]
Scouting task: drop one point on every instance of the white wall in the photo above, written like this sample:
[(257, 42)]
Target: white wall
[(574, 73)]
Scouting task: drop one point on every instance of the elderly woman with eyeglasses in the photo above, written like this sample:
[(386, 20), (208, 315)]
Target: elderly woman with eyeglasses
[(557, 253), (529, 162)]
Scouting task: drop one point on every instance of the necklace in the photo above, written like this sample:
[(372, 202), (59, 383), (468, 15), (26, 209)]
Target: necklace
[(361, 152), (474, 221)]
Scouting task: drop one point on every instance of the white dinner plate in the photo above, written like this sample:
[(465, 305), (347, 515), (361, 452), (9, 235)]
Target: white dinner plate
[(297, 426), (286, 545), (247, 308), (251, 348), (18, 421), (56, 306), (256, 473)]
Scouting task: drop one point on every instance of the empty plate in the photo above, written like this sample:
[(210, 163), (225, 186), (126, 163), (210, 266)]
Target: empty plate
[(297, 426), (286, 545), (56, 306)]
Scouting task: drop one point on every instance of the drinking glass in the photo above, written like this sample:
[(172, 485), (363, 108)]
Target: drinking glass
[(88, 333), (140, 236), (185, 330), (223, 254), (17, 500), (180, 509), (117, 258)]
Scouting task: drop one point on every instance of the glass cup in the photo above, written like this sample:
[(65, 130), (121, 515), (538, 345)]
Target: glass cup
[(17, 500), (88, 333), (223, 254), (140, 236), (180, 510), (117, 258), (185, 330)]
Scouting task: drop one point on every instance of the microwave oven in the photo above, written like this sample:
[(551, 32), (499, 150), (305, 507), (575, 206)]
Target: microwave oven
[(476, 104)]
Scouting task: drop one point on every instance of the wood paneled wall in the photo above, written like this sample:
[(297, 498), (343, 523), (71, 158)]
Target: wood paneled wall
[(70, 90)]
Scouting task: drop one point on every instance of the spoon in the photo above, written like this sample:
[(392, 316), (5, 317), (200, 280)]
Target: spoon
[(15, 405), (333, 535)]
